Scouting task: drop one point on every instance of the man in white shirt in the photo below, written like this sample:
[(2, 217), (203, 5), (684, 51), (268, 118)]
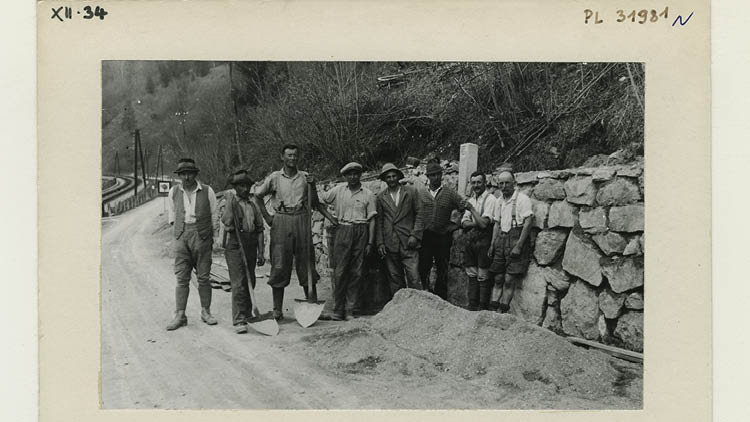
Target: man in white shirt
[(510, 248), (478, 231), (192, 212)]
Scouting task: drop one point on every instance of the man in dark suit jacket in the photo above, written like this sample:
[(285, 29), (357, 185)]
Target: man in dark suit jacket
[(398, 229)]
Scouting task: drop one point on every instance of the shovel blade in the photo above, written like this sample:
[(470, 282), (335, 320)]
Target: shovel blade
[(306, 313), (268, 327)]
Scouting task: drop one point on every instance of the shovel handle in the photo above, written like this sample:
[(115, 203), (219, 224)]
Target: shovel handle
[(311, 251), (244, 259)]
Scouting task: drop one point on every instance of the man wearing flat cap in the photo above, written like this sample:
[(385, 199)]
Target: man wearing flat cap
[(354, 207), (192, 212), (439, 203), (243, 209), (290, 227), (398, 229)]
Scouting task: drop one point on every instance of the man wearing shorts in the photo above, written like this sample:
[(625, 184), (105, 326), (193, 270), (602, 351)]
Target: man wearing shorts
[(478, 232), (510, 248)]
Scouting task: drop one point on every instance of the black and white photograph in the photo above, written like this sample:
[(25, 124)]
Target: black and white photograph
[(372, 235)]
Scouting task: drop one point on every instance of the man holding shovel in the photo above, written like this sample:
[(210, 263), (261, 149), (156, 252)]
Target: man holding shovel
[(242, 208), (354, 206), (291, 226)]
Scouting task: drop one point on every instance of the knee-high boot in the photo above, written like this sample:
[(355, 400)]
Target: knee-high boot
[(181, 297), (204, 292), (278, 302), (485, 289), (473, 294)]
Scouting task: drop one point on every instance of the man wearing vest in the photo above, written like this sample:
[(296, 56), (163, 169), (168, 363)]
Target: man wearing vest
[(510, 248), (354, 206), (439, 203), (290, 227), (192, 212), (478, 232), (241, 207), (398, 229)]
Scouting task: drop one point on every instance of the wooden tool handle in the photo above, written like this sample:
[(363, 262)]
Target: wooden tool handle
[(244, 259), (311, 250)]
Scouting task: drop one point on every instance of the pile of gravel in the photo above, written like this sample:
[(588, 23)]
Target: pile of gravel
[(419, 335)]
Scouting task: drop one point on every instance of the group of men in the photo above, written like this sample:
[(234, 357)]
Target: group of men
[(411, 229)]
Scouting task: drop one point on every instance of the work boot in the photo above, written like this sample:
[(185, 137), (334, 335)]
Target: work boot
[(473, 294), (178, 321), (207, 317), (278, 303), (205, 294), (503, 308), (181, 294), (240, 328), (485, 289)]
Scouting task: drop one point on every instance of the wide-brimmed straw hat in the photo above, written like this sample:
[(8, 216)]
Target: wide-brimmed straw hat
[(353, 166), (389, 167), (186, 165)]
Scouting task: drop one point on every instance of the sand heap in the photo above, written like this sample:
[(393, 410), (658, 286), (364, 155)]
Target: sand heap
[(418, 334)]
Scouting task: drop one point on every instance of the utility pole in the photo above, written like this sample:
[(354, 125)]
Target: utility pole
[(117, 164), (136, 135), (236, 117), (140, 152)]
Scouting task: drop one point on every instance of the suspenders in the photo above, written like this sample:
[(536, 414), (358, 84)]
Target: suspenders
[(513, 222)]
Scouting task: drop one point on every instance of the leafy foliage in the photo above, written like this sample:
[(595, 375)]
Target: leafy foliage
[(229, 115)]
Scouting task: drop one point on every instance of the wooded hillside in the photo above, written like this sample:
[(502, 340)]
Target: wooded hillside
[(232, 115)]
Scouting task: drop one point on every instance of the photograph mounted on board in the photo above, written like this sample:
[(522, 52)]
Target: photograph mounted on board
[(372, 235)]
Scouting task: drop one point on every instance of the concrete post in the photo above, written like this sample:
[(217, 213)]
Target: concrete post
[(468, 157)]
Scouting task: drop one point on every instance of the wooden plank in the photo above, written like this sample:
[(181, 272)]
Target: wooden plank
[(614, 351)]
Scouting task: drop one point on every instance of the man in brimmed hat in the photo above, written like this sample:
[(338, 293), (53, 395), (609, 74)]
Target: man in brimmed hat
[(439, 203), (290, 228), (192, 212), (354, 207), (241, 207), (398, 229)]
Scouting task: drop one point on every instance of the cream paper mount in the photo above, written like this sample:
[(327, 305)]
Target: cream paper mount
[(72, 47)]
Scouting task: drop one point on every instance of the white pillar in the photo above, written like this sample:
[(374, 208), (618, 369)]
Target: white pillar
[(468, 156)]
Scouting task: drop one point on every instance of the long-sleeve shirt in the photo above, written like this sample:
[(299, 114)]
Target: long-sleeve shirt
[(484, 204), (188, 199), (438, 210), (250, 220)]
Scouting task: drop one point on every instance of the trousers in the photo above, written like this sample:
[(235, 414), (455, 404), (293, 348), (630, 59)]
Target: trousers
[(349, 255), (241, 304), (435, 247), (192, 252), (290, 242), (403, 269)]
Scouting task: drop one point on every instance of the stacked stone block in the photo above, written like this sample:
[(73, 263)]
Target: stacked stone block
[(586, 275)]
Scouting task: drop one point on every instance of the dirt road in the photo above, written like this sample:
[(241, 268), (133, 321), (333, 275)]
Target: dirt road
[(200, 366)]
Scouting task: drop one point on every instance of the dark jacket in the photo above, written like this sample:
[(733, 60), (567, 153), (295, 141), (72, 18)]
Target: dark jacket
[(394, 224), (438, 210)]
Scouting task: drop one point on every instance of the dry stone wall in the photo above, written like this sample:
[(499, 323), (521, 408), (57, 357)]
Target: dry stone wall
[(586, 275)]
